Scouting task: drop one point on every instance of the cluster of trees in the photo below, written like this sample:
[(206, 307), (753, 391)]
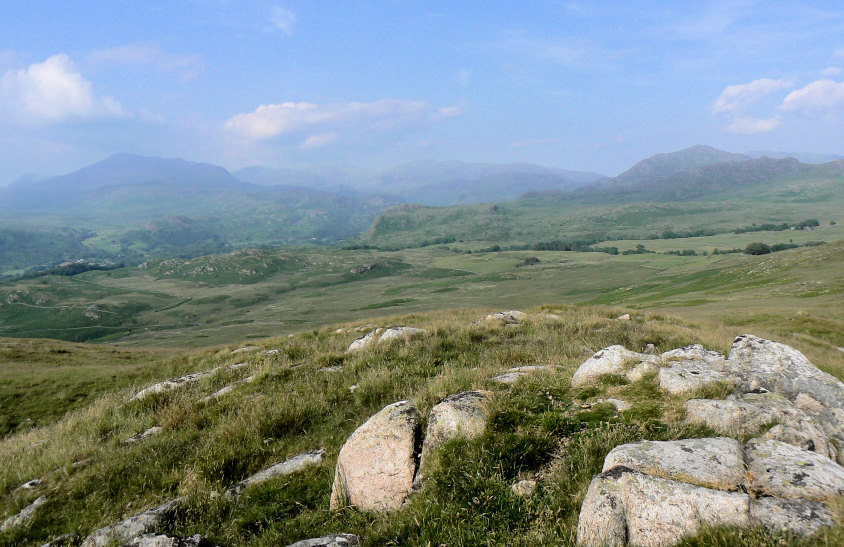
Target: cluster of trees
[(810, 223)]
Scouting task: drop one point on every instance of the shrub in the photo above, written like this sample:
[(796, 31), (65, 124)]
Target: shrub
[(757, 249)]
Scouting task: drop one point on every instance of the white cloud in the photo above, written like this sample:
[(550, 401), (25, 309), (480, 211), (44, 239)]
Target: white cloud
[(751, 126), (831, 71), (52, 91), (283, 19), (315, 141), (271, 120), (736, 97), (142, 53), (821, 97)]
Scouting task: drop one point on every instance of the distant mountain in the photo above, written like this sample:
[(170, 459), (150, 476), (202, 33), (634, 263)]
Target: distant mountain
[(429, 182), (662, 165), (346, 180), (804, 157), (453, 182), (134, 207), (92, 183)]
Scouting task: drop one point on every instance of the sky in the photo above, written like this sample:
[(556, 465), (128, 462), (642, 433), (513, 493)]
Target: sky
[(592, 86)]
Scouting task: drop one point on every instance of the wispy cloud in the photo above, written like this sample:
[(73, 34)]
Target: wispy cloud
[(143, 53), (738, 97), (52, 91), (821, 98), (315, 122), (752, 126), (283, 19), (831, 71)]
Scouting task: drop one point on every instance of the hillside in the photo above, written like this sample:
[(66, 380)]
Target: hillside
[(711, 198), (666, 164), (250, 407), (132, 207)]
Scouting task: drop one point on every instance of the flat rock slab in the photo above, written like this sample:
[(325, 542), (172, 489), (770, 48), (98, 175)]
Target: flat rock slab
[(137, 525), (24, 516), (782, 470), (377, 465), (803, 517), (381, 335), (514, 374), (784, 370), (624, 506), (334, 540), (713, 463), (610, 360), (694, 352), (462, 415), (163, 540), (691, 375), (290, 465)]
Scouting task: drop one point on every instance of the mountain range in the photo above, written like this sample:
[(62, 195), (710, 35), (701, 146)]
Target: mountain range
[(131, 207)]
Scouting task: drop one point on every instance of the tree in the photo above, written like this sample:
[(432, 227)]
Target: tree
[(757, 249)]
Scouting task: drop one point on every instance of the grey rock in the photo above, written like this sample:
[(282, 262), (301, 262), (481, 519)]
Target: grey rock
[(624, 506), (163, 540), (514, 374), (789, 515), (693, 352), (611, 360), (462, 415), (137, 437), (290, 465), (378, 462), (137, 525), (29, 485), (24, 516), (750, 413), (217, 394), (246, 349), (690, 375), (619, 404), (782, 470), (524, 488), (713, 463), (334, 540), (381, 335), (65, 540), (783, 370), (509, 317)]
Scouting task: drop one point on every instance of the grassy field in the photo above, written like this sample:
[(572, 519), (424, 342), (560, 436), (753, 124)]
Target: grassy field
[(260, 293), (538, 428)]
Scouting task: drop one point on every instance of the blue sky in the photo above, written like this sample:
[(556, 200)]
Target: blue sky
[(579, 85)]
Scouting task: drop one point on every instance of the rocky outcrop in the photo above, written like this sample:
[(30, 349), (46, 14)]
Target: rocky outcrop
[(779, 469), (135, 526), (614, 360), (691, 375), (173, 383), (24, 516), (654, 493), (334, 540), (290, 465), (377, 465), (782, 370), (381, 335), (462, 415), (163, 540), (714, 463)]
